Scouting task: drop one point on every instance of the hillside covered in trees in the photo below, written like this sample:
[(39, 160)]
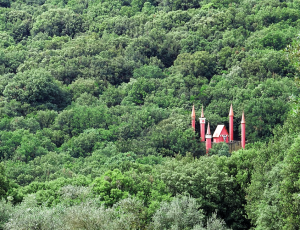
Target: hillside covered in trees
[(95, 104)]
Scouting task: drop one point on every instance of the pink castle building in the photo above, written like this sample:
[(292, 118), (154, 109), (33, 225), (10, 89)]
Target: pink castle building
[(221, 134)]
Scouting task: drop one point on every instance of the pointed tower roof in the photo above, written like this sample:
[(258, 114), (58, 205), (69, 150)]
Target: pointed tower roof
[(193, 112), (202, 114), (231, 111), (208, 129), (243, 119)]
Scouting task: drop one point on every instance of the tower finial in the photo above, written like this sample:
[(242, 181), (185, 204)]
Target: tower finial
[(202, 114), (231, 111), (193, 112), (208, 129), (243, 119)]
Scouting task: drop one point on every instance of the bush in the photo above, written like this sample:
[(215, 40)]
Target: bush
[(181, 213)]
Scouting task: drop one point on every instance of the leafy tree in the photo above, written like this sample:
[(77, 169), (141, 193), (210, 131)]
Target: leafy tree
[(221, 149), (112, 187), (140, 89), (20, 123), (74, 121), (90, 86), (180, 213), (96, 95), (6, 39), (19, 22), (45, 118), (5, 3), (4, 182), (140, 182), (6, 209), (171, 136), (148, 71), (200, 63), (82, 145), (213, 223), (37, 88), (58, 22), (289, 187), (209, 184)]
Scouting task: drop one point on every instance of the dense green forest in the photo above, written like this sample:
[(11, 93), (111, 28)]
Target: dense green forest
[(95, 104)]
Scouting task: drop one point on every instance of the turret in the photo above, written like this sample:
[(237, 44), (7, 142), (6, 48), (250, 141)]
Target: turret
[(208, 137), (193, 118), (243, 130), (231, 123), (202, 126)]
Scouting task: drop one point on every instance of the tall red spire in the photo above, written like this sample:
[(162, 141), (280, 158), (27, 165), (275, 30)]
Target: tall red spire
[(193, 118), (193, 112), (231, 111), (231, 123), (202, 126), (208, 137), (243, 118), (208, 129), (243, 127)]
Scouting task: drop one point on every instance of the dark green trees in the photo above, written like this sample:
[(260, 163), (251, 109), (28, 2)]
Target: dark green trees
[(95, 100), (4, 183), (58, 22), (36, 88)]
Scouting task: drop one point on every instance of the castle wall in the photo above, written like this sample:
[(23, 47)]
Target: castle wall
[(233, 146)]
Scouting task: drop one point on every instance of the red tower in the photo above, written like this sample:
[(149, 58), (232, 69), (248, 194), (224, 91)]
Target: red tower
[(208, 139), (202, 126), (231, 124), (193, 118), (243, 124)]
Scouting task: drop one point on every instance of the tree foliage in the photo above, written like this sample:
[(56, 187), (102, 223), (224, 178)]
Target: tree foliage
[(95, 102)]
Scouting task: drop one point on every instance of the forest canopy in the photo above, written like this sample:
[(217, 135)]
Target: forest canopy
[(95, 103)]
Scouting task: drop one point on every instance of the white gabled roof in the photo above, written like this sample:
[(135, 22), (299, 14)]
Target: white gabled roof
[(218, 130)]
